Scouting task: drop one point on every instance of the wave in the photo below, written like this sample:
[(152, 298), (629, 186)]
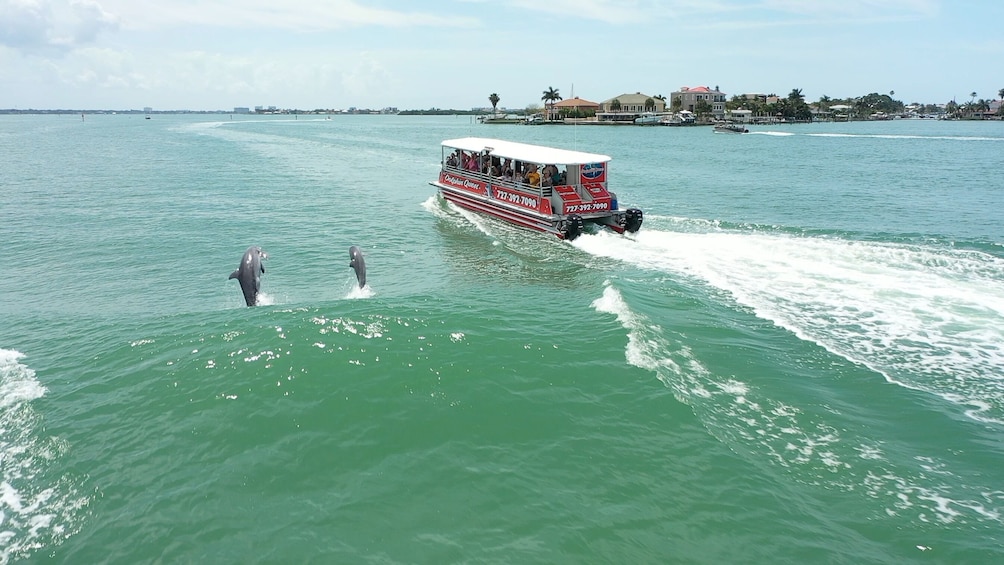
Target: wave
[(34, 512), (898, 136), (879, 136), (698, 225), (925, 317), (815, 446)]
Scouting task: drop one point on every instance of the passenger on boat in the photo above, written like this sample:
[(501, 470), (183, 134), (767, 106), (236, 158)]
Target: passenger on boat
[(452, 160), (532, 176), (547, 175), (472, 163)]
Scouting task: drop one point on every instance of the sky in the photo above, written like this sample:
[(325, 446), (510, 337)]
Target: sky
[(414, 54)]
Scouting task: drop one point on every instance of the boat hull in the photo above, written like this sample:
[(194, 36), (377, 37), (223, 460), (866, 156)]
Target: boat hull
[(731, 128), (554, 224)]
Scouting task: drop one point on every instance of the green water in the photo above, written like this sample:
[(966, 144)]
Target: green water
[(798, 359)]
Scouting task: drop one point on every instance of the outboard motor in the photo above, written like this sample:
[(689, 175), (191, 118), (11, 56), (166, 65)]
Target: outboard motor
[(632, 220), (572, 227)]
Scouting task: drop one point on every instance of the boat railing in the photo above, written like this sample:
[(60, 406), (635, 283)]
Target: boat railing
[(543, 191)]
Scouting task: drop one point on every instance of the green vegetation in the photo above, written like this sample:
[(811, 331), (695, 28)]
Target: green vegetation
[(550, 97), (494, 99), (794, 107), (702, 109)]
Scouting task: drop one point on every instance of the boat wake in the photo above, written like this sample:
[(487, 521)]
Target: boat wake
[(813, 445), (451, 212), (927, 318), (879, 136), (501, 233), (34, 511)]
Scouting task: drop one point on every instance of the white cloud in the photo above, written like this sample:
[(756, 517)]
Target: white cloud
[(47, 25), (878, 9), (293, 15), (622, 12)]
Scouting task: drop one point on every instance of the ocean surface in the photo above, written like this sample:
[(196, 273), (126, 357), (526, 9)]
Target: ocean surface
[(798, 359)]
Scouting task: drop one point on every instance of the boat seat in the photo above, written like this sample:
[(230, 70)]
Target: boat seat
[(568, 194), (596, 189)]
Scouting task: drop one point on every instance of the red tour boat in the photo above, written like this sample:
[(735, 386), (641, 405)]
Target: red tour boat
[(541, 188)]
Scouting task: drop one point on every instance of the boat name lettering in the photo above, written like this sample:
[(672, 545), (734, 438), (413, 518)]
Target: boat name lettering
[(461, 182), (518, 199), (588, 207)]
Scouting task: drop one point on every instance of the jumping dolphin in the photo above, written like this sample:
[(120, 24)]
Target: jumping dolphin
[(358, 264), (248, 273)]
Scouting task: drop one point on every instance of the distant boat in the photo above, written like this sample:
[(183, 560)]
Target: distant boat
[(730, 128), (148, 116), (648, 119), (682, 118)]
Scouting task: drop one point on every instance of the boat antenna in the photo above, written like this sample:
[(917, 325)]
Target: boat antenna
[(575, 123)]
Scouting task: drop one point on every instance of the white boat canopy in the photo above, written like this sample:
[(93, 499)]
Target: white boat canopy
[(524, 151)]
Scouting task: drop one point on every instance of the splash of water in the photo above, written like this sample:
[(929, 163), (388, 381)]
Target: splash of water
[(34, 512)]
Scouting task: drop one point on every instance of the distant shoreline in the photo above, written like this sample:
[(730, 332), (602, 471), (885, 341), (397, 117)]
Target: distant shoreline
[(433, 112)]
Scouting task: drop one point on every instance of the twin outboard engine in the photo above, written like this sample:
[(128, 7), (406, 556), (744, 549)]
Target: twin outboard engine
[(572, 227), (632, 220)]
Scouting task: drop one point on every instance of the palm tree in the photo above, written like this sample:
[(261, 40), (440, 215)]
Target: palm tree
[(796, 95), (494, 99), (1001, 93), (550, 97), (951, 108), (649, 105), (615, 105), (973, 96)]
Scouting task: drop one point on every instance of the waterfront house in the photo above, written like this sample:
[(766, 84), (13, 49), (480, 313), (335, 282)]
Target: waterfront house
[(690, 96), (626, 107), (741, 115), (574, 108)]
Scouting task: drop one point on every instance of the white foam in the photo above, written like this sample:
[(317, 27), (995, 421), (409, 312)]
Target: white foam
[(809, 446), (17, 382), (900, 136), (927, 318), (33, 514), (356, 293), (265, 299)]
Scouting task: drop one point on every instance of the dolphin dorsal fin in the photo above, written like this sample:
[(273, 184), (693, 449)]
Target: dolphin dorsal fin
[(233, 275)]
